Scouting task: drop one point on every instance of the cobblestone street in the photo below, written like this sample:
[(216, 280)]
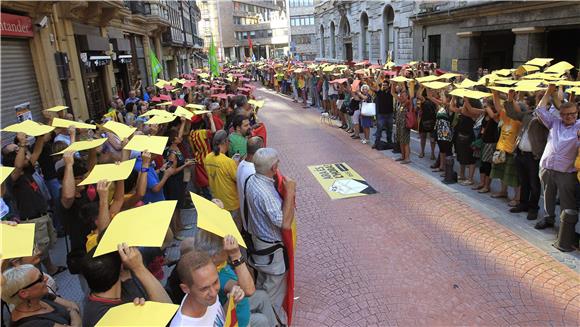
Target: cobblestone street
[(413, 254)]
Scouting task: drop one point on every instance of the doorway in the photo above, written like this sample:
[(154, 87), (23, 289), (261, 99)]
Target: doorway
[(497, 49), (564, 45), (348, 51)]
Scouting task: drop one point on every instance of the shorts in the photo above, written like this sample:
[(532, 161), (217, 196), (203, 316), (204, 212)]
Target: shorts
[(44, 233), (366, 121)]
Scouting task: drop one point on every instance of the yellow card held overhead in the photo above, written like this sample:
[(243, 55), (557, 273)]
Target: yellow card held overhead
[(5, 172), (182, 112), (425, 79), (17, 241), (256, 103), (539, 61), (467, 83), (151, 314), (214, 219), (111, 172), (435, 85), (153, 144), (64, 123), (575, 90), (195, 106), (448, 75), (156, 120), (56, 109), (157, 112), (121, 130), (559, 68), (141, 226), (29, 127), (400, 79), (82, 145)]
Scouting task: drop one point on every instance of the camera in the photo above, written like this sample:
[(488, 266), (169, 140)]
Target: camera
[(42, 23)]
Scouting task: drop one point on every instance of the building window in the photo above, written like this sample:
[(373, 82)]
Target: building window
[(302, 20), (435, 49)]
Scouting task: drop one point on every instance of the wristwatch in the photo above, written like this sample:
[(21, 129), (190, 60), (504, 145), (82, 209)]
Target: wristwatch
[(144, 170), (238, 262)]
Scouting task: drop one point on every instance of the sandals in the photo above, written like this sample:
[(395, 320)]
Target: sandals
[(466, 182), (483, 190)]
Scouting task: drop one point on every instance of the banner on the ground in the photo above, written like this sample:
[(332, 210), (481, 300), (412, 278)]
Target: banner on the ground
[(340, 181)]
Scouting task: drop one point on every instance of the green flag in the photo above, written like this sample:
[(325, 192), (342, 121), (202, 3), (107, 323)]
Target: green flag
[(155, 65), (213, 60)]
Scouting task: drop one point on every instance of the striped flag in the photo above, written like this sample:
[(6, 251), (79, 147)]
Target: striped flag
[(231, 317), (156, 67)]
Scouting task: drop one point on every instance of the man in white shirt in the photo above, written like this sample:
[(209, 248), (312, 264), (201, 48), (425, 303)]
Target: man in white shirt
[(200, 283), (245, 169)]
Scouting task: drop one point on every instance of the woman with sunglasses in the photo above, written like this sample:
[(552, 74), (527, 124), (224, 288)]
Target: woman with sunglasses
[(25, 288)]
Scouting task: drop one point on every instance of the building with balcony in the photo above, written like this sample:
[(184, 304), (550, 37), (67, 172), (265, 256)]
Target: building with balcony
[(496, 34), (303, 44), (89, 51), (364, 30)]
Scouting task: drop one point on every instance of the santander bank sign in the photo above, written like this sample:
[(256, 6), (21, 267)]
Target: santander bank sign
[(14, 25)]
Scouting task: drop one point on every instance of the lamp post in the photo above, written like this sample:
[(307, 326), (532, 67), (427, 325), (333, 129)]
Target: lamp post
[(259, 53)]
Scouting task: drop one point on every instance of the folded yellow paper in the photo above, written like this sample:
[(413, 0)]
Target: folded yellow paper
[(156, 120), (425, 79), (559, 68), (448, 75), (17, 241), (214, 219), (540, 62), (153, 144), (400, 79), (82, 145), (256, 103), (56, 109), (29, 127), (467, 83), (5, 171), (151, 314), (121, 130), (157, 112), (182, 112), (111, 172), (195, 106), (435, 85), (65, 123), (141, 226)]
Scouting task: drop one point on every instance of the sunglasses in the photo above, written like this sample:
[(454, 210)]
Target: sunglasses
[(39, 280)]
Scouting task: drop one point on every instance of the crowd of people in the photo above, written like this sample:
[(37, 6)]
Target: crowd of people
[(216, 147), (518, 126)]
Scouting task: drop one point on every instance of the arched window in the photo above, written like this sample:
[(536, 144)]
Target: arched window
[(388, 33), (344, 32), (321, 41), (364, 29), (332, 41)]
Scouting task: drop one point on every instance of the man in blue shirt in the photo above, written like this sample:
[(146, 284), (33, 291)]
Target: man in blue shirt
[(154, 191)]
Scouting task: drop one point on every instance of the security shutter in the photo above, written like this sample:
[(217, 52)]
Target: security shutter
[(18, 83)]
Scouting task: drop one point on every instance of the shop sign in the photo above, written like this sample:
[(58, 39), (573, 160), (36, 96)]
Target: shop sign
[(14, 25)]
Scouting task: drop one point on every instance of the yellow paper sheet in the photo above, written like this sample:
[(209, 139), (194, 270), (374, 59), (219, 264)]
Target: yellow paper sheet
[(506, 82), (82, 145), (56, 109), (530, 68), (121, 130), (17, 241), (329, 68), (182, 112), (141, 226), (559, 68), (476, 94), (256, 103), (502, 89), (153, 144), (5, 172), (539, 61), (29, 127), (157, 112), (111, 172), (156, 120), (458, 92), (161, 84), (175, 90), (214, 219), (448, 75), (543, 76), (64, 123), (575, 89), (527, 88), (503, 72), (400, 79), (203, 75), (195, 106), (166, 103), (426, 79), (568, 83), (151, 314), (534, 82), (467, 83), (435, 85)]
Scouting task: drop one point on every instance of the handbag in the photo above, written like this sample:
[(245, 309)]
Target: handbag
[(411, 119), (368, 109), (498, 157)]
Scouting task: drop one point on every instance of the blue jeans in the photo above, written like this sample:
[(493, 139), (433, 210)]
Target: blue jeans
[(384, 121)]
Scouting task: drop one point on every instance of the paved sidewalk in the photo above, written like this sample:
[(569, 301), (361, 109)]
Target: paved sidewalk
[(416, 253)]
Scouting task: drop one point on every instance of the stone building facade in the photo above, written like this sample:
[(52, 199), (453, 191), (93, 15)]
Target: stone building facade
[(496, 34), (364, 30)]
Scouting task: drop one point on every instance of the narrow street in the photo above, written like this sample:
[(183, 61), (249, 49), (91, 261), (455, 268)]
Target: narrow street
[(413, 254)]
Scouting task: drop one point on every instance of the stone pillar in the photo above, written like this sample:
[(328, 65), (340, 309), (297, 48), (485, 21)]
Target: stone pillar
[(529, 44), (267, 51), (109, 77), (65, 37), (468, 52)]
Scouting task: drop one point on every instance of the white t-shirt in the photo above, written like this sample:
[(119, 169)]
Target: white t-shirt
[(245, 169), (213, 317)]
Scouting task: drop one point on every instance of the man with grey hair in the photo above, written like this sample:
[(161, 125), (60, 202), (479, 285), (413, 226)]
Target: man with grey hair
[(245, 170), (268, 215)]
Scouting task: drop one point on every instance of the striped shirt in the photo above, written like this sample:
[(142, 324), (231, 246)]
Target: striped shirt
[(264, 208)]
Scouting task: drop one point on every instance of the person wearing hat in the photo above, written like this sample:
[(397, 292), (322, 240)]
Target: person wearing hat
[(221, 171)]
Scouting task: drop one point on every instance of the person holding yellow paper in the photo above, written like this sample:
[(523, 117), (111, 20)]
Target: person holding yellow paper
[(110, 279)]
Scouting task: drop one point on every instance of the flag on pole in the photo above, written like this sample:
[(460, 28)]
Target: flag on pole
[(251, 48), (155, 65), (231, 316), (213, 60)]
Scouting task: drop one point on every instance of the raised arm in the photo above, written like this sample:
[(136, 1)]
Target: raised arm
[(20, 159), (245, 279), (141, 188), (67, 196), (118, 198), (542, 110), (38, 146), (512, 108), (104, 217)]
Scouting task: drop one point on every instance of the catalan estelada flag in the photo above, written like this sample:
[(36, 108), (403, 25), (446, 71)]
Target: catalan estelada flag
[(231, 317)]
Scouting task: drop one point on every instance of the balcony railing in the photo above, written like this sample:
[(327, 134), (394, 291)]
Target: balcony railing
[(138, 7)]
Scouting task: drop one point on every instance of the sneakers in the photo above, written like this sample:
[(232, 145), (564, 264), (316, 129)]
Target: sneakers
[(543, 224), (364, 141), (518, 209)]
